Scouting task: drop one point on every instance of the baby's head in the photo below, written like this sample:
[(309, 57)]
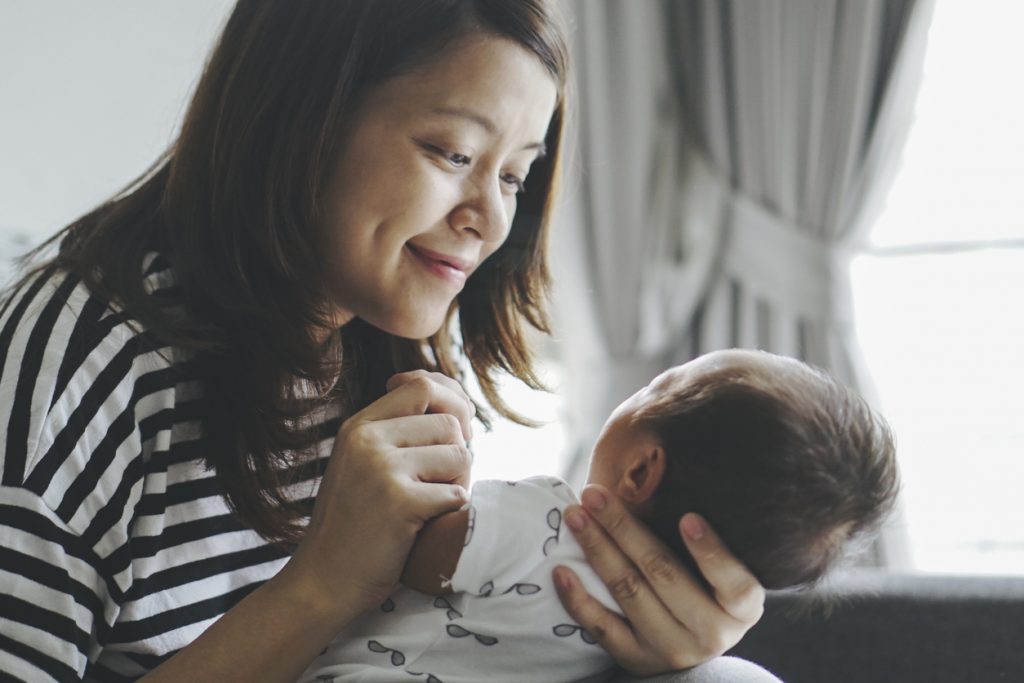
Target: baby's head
[(785, 463)]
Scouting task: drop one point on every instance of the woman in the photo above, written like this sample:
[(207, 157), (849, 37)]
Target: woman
[(264, 320)]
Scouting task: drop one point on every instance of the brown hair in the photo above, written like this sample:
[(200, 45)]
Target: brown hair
[(236, 206), (786, 467)]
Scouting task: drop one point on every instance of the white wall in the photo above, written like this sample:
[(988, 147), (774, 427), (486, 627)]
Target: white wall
[(90, 94)]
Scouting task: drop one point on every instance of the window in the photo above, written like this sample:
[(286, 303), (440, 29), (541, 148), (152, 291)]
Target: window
[(937, 298), (511, 451)]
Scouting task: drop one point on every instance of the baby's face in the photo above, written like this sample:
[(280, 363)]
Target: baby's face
[(620, 437)]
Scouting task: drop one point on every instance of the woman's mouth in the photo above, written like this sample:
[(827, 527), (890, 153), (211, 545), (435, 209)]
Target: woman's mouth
[(450, 268)]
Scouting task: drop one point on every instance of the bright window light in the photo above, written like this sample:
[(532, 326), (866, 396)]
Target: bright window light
[(938, 304), (511, 451)]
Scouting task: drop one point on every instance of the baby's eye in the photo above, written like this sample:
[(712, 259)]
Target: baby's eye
[(515, 182)]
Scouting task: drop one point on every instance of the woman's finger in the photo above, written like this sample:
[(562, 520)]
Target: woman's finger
[(675, 587), (432, 500), (447, 463), (665, 631), (435, 429), (603, 625), (401, 378), (667, 607), (736, 589), (419, 396)]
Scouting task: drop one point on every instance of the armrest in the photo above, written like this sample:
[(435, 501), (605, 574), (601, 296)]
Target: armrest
[(869, 625)]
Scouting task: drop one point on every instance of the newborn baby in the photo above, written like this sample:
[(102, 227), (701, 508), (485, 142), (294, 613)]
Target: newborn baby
[(786, 464)]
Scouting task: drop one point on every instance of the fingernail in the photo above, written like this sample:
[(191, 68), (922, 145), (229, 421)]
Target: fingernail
[(594, 499), (562, 580), (575, 520), (693, 527)]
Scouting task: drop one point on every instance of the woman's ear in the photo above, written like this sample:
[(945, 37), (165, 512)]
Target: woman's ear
[(642, 475)]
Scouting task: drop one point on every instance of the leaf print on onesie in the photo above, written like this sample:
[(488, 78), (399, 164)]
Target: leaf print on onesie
[(470, 525), (523, 589), (442, 603), (431, 678), (456, 631), (397, 658), (555, 524), (566, 630)]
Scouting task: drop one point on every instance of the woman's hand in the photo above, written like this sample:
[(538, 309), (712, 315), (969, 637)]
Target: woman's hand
[(396, 464), (673, 623)]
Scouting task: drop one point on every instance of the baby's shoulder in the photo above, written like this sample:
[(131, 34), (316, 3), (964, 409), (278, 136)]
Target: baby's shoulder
[(546, 488)]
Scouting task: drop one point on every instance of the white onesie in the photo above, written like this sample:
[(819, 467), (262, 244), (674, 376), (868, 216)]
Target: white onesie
[(504, 621)]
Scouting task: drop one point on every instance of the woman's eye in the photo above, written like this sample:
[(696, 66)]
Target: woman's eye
[(514, 182), (458, 160), (452, 158)]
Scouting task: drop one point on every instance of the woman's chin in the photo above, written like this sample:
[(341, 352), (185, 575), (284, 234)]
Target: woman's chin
[(416, 327)]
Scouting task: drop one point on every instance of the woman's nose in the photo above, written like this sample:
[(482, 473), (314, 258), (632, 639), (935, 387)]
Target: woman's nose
[(485, 210)]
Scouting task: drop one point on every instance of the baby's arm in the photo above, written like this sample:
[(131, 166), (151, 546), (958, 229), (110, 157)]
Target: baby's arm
[(436, 552)]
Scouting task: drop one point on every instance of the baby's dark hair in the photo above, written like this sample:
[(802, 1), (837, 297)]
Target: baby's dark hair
[(786, 466)]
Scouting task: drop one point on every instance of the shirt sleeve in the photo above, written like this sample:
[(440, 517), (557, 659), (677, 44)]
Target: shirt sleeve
[(76, 387), (512, 528)]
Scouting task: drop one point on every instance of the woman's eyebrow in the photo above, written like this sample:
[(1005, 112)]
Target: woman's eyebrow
[(485, 123)]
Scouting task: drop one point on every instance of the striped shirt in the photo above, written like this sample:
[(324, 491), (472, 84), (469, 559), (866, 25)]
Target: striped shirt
[(118, 547)]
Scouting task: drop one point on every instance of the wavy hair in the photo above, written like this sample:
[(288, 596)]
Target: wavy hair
[(236, 204)]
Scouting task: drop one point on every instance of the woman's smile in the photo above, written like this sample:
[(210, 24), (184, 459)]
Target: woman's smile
[(449, 268)]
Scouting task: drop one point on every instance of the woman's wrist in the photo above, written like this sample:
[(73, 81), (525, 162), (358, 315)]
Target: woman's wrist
[(329, 604)]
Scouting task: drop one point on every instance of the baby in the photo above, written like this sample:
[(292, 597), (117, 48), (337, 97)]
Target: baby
[(783, 462)]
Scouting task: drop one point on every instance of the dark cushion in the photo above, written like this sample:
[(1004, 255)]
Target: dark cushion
[(873, 626)]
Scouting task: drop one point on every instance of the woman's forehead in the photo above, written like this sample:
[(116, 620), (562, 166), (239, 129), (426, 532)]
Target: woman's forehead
[(483, 71), (494, 90)]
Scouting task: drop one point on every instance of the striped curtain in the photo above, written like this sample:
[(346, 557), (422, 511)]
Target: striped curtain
[(799, 108), (732, 156)]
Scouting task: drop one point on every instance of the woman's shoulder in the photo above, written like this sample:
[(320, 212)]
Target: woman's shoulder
[(52, 322), (55, 304), (75, 369)]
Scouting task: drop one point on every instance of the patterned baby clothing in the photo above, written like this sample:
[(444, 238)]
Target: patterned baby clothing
[(503, 622)]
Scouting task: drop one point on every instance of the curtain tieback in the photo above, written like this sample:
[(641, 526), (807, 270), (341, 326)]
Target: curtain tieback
[(785, 264)]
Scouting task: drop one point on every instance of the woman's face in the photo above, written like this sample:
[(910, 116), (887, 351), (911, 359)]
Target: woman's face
[(425, 186)]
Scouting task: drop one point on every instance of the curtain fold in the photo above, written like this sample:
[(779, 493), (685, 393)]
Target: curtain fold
[(629, 272), (818, 96), (732, 155)]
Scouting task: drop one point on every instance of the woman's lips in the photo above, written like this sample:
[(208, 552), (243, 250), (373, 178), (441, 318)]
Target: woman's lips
[(450, 268)]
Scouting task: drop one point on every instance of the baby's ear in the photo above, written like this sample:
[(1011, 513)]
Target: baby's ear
[(643, 475)]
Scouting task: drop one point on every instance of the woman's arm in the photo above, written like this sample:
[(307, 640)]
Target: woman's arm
[(271, 635), (673, 623), (395, 465)]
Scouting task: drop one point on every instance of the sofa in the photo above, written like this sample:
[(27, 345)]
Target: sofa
[(872, 626)]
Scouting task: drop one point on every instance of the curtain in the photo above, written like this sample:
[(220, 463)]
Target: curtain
[(629, 271), (800, 107), (731, 157)]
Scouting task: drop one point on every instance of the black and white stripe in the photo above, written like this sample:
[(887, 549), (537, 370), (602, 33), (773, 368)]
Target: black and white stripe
[(118, 548)]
